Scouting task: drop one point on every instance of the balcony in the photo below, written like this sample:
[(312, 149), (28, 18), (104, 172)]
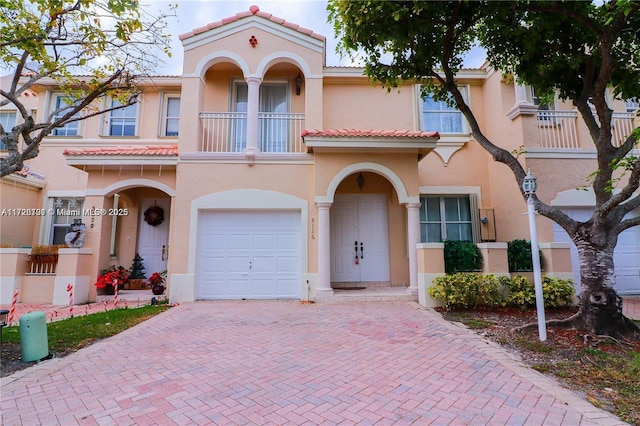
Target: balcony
[(227, 132), (560, 129)]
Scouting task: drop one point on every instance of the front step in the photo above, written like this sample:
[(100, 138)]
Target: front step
[(374, 294)]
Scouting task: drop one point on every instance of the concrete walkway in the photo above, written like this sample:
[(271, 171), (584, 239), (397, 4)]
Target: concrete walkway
[(276, 362)]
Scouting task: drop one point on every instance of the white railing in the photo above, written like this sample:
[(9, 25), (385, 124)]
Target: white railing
[(227, 132), (42, 264), (621, 127), (223, 131), (557, 129), (280, 132)]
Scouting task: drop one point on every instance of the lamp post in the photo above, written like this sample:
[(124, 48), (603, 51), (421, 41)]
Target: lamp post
[(529, 186)]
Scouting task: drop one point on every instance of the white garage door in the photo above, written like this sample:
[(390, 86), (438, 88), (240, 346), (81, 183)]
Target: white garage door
[(248, 255), (626, 256)]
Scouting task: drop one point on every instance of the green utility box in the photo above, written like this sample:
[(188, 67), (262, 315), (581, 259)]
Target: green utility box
[(34, 343)]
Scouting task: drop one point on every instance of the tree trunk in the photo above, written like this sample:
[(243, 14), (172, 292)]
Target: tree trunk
[(600, 307)]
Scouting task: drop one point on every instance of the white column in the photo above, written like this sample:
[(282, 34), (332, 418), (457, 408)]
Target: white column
[(521, 93), (253, 102), (324, 249), (413, 237)]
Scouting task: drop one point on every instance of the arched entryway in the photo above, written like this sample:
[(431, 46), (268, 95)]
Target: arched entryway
[(365, 215)]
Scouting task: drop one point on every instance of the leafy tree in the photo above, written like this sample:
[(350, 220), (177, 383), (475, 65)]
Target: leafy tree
[(89, 49), (577, 50)]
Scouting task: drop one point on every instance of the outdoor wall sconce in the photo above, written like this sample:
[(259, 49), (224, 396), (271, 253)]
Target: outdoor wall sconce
[(298, 84), (253, 41), (360, 181)]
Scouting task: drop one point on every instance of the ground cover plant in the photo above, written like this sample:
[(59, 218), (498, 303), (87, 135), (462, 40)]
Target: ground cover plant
[(71, 334), (604, 370)]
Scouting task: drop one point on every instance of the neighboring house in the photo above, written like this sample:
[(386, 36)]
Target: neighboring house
[(278, 176)]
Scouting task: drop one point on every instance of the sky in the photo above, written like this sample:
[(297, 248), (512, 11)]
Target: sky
[(311, 14)]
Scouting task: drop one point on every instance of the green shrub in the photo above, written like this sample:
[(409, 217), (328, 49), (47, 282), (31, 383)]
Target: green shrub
[(519, 255), (557, 292), (521, 293), (465, 290), (468, 290), (461, 256)]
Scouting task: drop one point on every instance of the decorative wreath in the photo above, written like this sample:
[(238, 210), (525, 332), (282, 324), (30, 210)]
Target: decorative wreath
[(154, 216)]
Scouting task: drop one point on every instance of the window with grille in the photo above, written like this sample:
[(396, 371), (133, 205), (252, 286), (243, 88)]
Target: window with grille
[(439, 116), (122, 121), (8, 122), (65, 210), (446, 218), (60, 109)]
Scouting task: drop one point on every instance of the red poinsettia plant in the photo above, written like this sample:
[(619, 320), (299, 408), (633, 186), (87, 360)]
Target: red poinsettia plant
[(156, 278), (112, 276)]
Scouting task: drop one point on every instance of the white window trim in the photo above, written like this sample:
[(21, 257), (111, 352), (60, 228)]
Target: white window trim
[(164, 106), (234, 91), (47, 220), (52, 97), (15, 119), (106, 121), (463, 136), (114, 225), (475, 201)]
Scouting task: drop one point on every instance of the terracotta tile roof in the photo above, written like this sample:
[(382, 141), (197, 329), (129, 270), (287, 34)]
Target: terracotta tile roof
[(253, 10), (26, 172), (357, 133), (150, 150)]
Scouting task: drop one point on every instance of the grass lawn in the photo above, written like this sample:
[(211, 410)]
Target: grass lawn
[(69, 335)]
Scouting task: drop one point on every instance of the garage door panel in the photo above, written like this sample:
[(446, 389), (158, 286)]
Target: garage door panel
[(288, 287), (626, 256), (287, 264), (263, 287), (288, 240), (237, 288), (263, 264), (237, 264), (264, 241), (214, 287), (214, 264), (249, 255)]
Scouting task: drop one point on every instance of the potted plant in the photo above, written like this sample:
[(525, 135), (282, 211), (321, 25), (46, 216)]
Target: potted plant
[(110, 278), (156, 281), (136, 274)]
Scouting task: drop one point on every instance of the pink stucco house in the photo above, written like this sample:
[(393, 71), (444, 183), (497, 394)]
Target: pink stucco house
[(280, 177)]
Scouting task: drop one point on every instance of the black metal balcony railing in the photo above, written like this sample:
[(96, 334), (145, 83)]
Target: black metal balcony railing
[(227, 132)]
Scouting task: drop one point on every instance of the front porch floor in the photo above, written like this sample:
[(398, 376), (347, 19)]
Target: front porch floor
[(369, 294)]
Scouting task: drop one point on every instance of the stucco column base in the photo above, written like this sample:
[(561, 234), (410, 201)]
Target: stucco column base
[(425, 281)]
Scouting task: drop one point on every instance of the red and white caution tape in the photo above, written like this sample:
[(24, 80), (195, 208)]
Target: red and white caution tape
[(115, 297), (70, 291), (14, 302)]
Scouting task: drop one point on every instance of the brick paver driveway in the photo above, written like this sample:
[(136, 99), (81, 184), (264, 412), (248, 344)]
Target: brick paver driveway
[(282, 362)]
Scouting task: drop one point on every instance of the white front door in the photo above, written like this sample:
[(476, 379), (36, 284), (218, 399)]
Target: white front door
[(153, 241), (359, 238), (248, 255)]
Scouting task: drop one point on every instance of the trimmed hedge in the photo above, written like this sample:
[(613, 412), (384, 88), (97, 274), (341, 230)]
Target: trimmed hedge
[(461, 256), (469, 290)]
